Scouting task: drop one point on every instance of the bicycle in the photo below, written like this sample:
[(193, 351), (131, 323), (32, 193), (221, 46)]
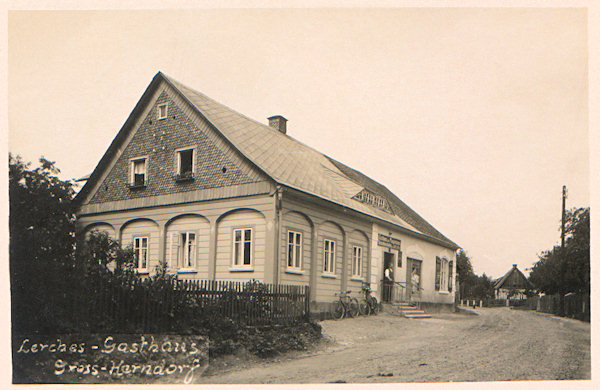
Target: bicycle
[(369, 305), (345, 305)]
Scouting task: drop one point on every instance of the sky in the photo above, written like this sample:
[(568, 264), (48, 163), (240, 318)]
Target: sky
[(474, 117)]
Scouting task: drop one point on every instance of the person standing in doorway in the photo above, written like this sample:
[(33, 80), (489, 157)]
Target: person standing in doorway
[(388, 282)]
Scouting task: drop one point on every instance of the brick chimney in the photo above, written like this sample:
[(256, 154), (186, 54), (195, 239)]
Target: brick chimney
[(278, 122)]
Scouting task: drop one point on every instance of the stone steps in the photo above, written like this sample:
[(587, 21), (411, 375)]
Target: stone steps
[(406, 310)]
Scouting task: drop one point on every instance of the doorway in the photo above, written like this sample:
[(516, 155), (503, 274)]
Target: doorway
[(388, 277)]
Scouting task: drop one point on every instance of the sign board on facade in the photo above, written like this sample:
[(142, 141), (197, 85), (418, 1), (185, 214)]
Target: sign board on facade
[(388, 241)]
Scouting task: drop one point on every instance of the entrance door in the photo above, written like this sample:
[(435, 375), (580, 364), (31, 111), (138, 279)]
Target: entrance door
[(413, 277), (388, 277)]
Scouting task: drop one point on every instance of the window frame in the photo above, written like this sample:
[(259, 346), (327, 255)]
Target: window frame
[(138, 249), (329, 260), (177, 250), (178, 174), (242, 266), (158, 109), (358, 260), (442, 277), (132, 162), (450, 278), (298, 251)]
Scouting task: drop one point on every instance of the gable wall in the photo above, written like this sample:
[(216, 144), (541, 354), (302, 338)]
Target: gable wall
[(159, 140), (515, 280)]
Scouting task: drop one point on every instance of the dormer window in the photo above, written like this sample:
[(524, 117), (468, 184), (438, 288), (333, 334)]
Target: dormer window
[(162, 111), (365, 196), (185, 164), (138, 172)]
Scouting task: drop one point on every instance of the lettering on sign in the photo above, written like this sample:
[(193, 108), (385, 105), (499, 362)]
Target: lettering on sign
[(388, 241), (109, 359)]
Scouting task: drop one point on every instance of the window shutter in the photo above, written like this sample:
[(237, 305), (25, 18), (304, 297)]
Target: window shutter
[(174, 250), (438, 267), (169, 243)]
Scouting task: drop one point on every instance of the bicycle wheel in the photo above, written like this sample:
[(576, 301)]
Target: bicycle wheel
[(373, 305), (352, 307), (336, 310), (363, 308)]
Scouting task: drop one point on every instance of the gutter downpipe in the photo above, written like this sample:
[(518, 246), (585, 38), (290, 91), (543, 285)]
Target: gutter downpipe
[(278, 201)]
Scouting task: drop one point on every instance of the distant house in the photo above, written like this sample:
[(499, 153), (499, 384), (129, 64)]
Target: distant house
[(512, 285), (220, 196)]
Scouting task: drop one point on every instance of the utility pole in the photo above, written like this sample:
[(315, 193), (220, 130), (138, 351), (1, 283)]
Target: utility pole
[(562, 227), (563, 258)]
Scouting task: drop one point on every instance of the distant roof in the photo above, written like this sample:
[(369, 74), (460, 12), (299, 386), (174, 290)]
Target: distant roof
[(290, 162), (500, 282)]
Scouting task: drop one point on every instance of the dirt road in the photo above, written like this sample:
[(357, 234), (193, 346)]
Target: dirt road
[(499, 344)]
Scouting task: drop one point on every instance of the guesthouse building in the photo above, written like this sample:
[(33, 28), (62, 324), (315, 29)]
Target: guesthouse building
[(220, 196)]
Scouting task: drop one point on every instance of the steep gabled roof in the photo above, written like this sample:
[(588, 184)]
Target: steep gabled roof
[(293, 164), (512, 274)]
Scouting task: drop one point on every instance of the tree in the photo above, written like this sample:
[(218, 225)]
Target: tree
[(568, 271), (47, 266), (99, 256), (464, 271), (577, 248), (42, 237)]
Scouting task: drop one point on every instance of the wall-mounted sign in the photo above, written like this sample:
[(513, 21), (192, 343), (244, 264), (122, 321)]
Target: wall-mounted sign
[(388, 241)]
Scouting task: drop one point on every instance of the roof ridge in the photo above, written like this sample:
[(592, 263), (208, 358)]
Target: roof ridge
[(180, 84), (273, 130), (242, 132)]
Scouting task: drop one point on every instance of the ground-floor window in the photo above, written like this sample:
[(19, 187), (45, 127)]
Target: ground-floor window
[(242, 247), (140, 248), (294, 250), (442, 275), (183, 249), (450, 265), (357, 253), (329, 256)]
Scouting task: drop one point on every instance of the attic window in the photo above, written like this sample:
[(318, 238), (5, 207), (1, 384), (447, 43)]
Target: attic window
[(370, 198), (185, 164), (162, 111), (138, 172)]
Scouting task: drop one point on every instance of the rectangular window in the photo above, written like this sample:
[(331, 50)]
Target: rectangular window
[(242, 247), (450, 265), (357, 261), (294, 250), (438, 269), (329, 257), (185, 163), (162, 111), (140, 248), (138, 172), (442, 275), (188, 250)]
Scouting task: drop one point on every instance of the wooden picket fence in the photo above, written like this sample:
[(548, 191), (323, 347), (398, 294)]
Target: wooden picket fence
[(145, 306)]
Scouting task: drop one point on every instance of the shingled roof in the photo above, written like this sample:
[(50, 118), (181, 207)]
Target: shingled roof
[(293, 164)]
